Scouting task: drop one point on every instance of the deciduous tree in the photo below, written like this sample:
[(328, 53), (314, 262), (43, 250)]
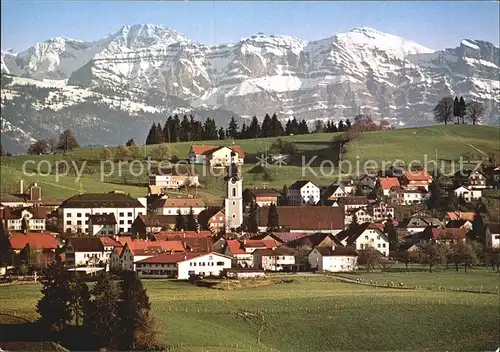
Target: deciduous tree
[(39, 147), (443, 111), (475, 111), (67, 141)]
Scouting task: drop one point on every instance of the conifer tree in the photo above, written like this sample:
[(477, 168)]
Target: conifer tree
[(354, 224), (222, 134), (192, 224), (341, 127), (210, 130), (53, 307), (276, 128), (288, 128), (175, 130), (180, 222), (167, 129), (462, 109), (254, 128), (158, 134), (103, 316), (134, 310), (185, 129), (303, 129), (244, 132), (273, 221), (232, 130), (252, 225), (392, 234), (266, 127), (478, 232), (348, 123), (456, 109)]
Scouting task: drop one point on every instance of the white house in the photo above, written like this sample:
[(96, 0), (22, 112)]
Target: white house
[(183, 265), (102, 225), (468, 194), (173, 178), (85, 251), (382, 211), (365, 236), (493, 235), (12, 218), (408, 196), (277, 259), (170, 206), (76, 210), (303, 192), (362, 214), (333, 259), (216, 155)]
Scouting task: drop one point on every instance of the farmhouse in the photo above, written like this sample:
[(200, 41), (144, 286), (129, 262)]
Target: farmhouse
[(365, 236), (33, 248), (212, 218), (172, 206), (315, 240), (458, 215), (387, 183), (415, 179), (34, 218), (183, 265), (277, 259), (85, 251), (382, 211), (173, 178), (338, 190), (493, 235), (102, 225), (241, 251), (468, 194), (306, 219), (303, 193), (152, 223), (75, 211), (216, 155), (473, 179), (139, 249), (263, 197), (353, 202), (409, 196), (334, 259)]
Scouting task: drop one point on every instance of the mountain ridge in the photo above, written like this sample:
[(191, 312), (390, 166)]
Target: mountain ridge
[(152, 69)]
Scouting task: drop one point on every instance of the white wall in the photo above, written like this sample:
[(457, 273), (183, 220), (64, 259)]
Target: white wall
[(375, 239), (273, 263), (77, 218), (173, 211), (210, 264), (308, 194)]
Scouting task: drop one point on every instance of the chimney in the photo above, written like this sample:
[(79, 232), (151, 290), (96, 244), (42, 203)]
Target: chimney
[(21, 186), (244, 242), (185, 257)]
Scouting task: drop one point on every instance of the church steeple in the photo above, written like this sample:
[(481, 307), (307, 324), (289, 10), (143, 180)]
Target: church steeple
[(234, 198)]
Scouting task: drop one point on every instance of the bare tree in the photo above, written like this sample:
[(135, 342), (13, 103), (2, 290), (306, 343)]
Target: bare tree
[(443, 111), (39, 147), (475, 111)]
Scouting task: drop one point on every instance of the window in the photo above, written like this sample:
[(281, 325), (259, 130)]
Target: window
[(366, 237), (79, 222), (121, 230), (68, 222), (129, 214), (383, 245), (234, 193), (122, 222), (87, 214), (121, 214), (220, 263), (129, 222), (68, 215)]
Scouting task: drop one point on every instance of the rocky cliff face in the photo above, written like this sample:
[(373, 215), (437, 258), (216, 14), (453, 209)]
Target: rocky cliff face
[(361, 71)]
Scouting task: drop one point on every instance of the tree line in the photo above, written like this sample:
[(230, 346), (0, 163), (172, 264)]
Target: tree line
[(111, 314), (67, 142), (448, 108), (189, 129)]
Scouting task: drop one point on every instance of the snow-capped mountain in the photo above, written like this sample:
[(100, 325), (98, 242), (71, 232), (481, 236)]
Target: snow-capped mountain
[(141, 68)]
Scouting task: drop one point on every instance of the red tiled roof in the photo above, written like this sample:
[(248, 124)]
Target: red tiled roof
[(388, 182), (306, 217), (169, 258), (141, 247), (202, 149), (458, 215), (177, 235), (37, 241), (178, 203), (420, 175), (110, 241), (124, 240), (235, 247)]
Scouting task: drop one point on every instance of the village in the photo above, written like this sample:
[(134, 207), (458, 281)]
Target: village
[(340, 228)]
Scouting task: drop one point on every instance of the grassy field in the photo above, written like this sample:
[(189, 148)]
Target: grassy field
[(411, 144), (315, 314)]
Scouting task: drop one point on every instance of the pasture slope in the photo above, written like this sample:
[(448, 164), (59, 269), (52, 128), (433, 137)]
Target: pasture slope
[(316, 313), (449, 142)]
